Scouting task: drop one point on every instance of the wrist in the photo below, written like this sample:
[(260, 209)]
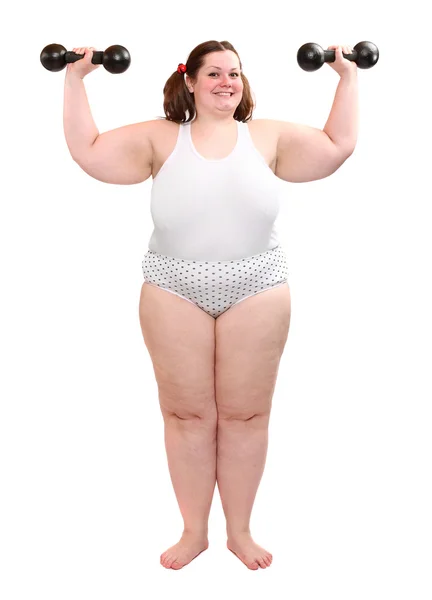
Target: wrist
[(73, 76), (349, 74)]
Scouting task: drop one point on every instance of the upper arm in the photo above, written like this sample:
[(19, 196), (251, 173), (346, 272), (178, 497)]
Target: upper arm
[(122, 156), (305, 153)]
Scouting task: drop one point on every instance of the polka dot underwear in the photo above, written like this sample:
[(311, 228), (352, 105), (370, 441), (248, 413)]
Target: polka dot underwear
[(216, 286)]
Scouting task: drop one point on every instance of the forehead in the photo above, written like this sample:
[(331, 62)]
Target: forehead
[(225, 60)]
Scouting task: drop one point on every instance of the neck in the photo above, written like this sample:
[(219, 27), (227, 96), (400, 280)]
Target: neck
[(210, 123)]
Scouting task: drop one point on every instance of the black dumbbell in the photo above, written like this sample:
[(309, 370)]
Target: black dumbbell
[(115, 59), (311, 57)]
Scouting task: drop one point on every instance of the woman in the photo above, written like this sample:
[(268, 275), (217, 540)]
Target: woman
[(215, 304)]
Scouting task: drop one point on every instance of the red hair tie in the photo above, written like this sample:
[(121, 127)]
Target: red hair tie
[(181, 68)]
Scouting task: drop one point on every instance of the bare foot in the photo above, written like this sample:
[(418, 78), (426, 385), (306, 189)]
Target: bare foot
[(184, 552), (253, 556)]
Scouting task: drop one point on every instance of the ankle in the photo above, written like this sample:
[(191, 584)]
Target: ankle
[(196, 532), (235, 533)]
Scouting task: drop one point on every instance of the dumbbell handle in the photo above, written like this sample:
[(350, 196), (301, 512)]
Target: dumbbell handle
[(330, 55), (97, 58)]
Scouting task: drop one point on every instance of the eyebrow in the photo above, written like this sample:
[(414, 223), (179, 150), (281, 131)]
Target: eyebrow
[(214, 67)]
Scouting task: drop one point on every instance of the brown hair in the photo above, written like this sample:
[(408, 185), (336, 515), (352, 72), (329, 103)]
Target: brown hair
[(178, 99)]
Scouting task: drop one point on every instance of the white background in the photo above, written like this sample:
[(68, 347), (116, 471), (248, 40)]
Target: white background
[(87, 505)]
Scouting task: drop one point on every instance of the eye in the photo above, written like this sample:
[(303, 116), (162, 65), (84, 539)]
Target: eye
[(231, 74)]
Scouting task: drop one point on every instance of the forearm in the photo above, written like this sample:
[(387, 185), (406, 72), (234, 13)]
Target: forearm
[(78, 124), (342, 124)]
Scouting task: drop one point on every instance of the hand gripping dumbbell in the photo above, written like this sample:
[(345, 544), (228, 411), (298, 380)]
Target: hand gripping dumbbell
[(311, 57), (115, 59)]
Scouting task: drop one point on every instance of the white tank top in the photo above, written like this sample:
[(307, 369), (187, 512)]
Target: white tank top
[(214, 210)]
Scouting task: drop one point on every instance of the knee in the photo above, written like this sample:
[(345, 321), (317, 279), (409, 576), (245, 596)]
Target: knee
[(192, 420), (253, 419)]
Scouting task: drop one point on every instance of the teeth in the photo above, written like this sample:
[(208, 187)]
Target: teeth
[(223, 94)]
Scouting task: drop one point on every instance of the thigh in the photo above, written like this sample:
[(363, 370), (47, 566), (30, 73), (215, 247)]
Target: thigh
[(180, 338), (250, 340)]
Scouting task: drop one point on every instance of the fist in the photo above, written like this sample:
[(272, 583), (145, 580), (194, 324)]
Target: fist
[(341, 65), (83, 66)]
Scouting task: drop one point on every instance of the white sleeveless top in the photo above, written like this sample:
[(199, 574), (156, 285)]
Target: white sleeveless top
[(214, 210)]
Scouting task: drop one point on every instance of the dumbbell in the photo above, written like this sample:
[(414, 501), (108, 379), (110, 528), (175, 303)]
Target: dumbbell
[(115, 59), (311, 57)]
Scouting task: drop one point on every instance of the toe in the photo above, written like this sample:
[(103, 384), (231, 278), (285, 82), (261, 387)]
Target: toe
[(262, 563)]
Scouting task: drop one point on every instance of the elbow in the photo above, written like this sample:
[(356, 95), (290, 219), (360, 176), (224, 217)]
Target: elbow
[(347, 150), (83, 158), (82, 154)]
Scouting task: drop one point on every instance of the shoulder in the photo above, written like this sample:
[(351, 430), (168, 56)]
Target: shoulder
[(160, 127), (155, 125), (267, 127), (150, 133)]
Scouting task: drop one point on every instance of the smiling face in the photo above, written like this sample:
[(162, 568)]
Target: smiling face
[(220, 73)]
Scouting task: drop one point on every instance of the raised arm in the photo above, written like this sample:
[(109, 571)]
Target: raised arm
[(120, 156), (306, 153)]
